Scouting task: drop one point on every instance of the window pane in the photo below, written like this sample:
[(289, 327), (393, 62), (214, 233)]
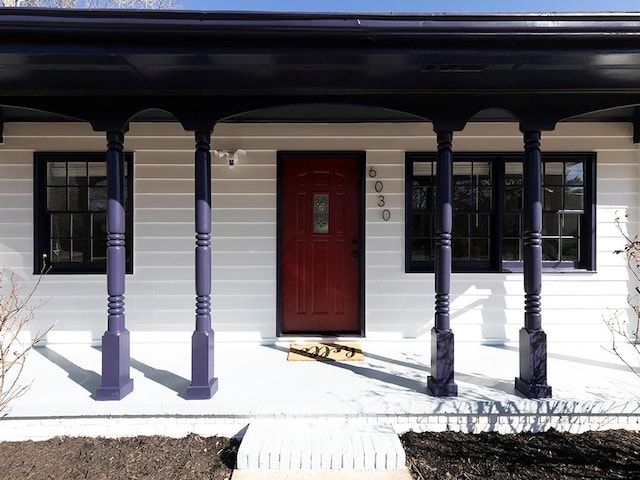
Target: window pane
[(460, 248), (460, 225), (513, 198), (462, 198), (99, 225), (574, 174), (81, 225), (97, 199), (426, 169), (81, 250), (422, 225), (553, 173), (462, 173), (99, 250), (479, 249), (573, 198), (513, 173), (569, 250), (484, 198), (480, 225), (483, 175), (61, 225), (511, 225), (56, 173), (550, 249), (421, 250), (77, 173), (511, 249), (61, 249), (98, 173), (56, 199), (77, 198), (552, 198), (570, 225), (550, 224)]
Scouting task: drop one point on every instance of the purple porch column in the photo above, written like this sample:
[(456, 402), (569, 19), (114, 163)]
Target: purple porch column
[(441, 382), (532, 381), (116, 360), (203, 384)]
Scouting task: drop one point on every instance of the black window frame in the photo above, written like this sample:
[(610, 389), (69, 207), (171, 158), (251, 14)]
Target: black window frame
[(42, 216), (495, 263)]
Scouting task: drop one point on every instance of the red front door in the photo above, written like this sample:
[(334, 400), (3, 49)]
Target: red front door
[(321, 244)]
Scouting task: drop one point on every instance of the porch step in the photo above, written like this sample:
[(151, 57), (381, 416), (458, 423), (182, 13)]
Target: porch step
[(304, 446)]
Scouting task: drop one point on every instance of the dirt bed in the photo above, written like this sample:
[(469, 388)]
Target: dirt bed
[(612, 454)]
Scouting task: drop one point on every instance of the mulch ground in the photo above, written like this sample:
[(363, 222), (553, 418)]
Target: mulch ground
[(612, 454), (134, 458)]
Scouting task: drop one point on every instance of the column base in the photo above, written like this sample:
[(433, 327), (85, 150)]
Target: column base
[(532, 381), (202, 392), (116, 363), (115, 393), (441, 383), (203, 384), (532, 390), (441, 390)]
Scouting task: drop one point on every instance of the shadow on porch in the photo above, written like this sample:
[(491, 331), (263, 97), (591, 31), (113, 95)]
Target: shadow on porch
[(258, 383)]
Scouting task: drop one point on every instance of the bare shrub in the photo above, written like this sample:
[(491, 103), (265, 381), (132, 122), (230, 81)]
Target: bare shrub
[(16, 313), (623, 331)]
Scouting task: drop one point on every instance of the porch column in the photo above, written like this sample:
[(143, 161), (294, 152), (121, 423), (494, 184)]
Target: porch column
[(441, 383), (532, 381), (203, 384), (116, 359)]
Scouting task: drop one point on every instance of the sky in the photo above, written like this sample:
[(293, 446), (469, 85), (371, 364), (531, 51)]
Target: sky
[(414, 6)]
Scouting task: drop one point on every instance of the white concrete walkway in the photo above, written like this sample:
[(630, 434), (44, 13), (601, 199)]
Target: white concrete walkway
[(591, 389)]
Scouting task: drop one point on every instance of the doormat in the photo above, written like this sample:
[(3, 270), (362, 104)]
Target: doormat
[(327, 352)]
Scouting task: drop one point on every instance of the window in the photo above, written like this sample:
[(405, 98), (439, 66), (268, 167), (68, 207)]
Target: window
[(70, 212), (487, 212)]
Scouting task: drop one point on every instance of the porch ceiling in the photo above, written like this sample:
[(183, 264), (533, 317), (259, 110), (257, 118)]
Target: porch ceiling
[(204, 67)]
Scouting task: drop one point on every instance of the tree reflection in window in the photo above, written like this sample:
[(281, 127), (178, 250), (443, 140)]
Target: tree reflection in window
[(488, 211)]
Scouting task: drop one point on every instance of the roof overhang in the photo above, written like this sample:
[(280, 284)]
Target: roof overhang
[(203, 67)]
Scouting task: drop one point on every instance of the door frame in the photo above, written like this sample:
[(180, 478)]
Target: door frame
[(361, 157)]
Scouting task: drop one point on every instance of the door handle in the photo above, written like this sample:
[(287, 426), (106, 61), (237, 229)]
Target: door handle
[(354, 254)]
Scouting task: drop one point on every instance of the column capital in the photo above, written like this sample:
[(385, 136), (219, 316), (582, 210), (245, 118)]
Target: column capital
[(536, 124), (444, 139), (115, 137), (204, 137)]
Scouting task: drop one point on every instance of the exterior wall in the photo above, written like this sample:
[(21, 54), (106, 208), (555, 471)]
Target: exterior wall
[(160, 294)]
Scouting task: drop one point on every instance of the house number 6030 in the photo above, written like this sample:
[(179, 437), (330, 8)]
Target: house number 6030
[(379, 187)]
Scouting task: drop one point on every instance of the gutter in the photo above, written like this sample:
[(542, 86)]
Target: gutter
[(134, 23)]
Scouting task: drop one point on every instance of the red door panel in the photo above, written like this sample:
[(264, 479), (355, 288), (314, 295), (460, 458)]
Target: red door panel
[(320, 245)]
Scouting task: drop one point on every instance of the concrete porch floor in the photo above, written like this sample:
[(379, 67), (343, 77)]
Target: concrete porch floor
[(592, 389)]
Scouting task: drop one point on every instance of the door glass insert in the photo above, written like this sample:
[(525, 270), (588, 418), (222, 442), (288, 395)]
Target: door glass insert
[(321, 214)]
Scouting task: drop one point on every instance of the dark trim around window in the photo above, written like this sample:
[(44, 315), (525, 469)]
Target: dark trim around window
[(499, 255), (73, 203)]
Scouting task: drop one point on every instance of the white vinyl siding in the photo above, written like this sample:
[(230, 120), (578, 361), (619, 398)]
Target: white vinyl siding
[(160, 297)]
